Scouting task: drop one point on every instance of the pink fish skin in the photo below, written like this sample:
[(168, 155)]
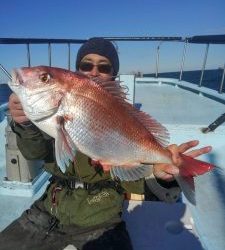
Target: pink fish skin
[(94, 117)]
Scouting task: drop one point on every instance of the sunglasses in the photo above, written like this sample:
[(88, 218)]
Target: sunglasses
[(102, 68)]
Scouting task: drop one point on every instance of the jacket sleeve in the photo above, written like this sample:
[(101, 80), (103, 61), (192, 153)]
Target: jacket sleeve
[(154, 189), (32, 143), (163, 190)]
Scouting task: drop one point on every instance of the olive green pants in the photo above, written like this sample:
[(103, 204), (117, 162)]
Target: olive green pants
[(36, 229)]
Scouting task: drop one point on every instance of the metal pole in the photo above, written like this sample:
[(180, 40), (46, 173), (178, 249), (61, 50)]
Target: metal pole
[(204, 63), (222, 80), (157, 60), (28, 54), (6, 72), (183, 60), (49, 55), (68, 56)]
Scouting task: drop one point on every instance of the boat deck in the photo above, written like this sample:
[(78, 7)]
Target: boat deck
[(174, 104)]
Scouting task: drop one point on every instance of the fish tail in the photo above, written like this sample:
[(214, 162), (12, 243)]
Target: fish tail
[(192, 167), (189, 169)]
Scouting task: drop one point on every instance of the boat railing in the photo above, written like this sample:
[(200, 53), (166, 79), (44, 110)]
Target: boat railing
[(207, 40), (200, 90)]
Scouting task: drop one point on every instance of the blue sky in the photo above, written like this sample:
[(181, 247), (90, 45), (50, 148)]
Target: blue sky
[(84, 19)]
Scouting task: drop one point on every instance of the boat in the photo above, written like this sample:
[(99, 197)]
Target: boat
[(187, 110)]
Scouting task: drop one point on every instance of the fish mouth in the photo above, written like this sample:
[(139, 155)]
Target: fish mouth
[(17, 79)]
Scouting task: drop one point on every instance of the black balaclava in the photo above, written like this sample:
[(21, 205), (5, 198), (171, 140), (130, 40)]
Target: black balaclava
[(102, 47)]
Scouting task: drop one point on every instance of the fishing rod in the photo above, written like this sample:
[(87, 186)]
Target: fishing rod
[(215, 124), (5, 71)]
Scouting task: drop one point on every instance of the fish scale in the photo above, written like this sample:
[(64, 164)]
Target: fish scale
[(98, 136)]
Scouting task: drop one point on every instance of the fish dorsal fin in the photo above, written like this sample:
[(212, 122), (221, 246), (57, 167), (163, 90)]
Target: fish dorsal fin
[(119, 92), (159, 132), (111, 86)]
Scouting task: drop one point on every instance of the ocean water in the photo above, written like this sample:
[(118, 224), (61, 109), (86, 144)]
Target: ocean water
[(211, 78)]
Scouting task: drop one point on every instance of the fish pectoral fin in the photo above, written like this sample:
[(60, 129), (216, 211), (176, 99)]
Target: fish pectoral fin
[(126, 173), (65, 149)]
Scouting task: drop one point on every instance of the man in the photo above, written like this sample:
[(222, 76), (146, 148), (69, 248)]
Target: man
[(83, 206)]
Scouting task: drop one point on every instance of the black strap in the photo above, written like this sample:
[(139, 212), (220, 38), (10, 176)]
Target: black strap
[(53, 223), (74, 183)]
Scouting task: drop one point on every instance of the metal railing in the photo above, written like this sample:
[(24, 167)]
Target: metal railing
[(214, 39), (49, 42)]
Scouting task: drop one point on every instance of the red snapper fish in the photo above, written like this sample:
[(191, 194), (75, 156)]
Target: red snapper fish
[(93, 116)]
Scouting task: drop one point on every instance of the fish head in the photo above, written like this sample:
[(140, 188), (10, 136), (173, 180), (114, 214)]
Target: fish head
[(40, 89)]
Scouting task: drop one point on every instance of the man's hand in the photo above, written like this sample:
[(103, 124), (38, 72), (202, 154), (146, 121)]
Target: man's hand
[(167, 171), (16, 109)]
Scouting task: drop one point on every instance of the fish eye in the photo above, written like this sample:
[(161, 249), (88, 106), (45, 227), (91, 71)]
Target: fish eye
[(45, 77)]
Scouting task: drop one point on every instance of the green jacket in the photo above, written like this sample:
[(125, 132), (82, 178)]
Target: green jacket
[(76, 206)]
